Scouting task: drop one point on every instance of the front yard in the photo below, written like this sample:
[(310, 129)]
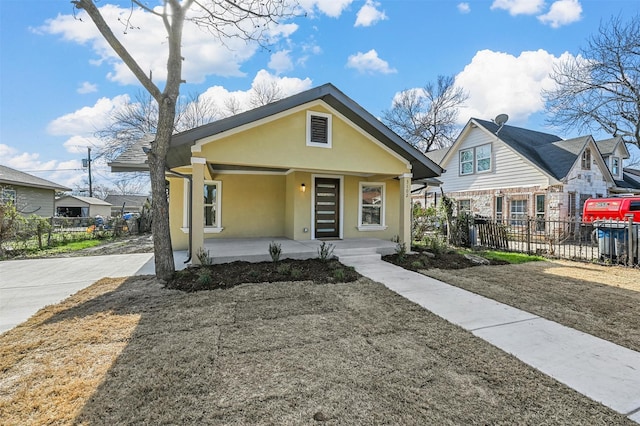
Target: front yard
[(128, 351)]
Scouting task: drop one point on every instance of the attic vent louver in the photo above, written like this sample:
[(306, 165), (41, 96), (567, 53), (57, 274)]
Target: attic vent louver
[(319, 126)]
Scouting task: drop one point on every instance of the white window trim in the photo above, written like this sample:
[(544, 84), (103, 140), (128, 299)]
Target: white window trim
[(474, 160), (4, 197), (329, 131), (473, 156), (382, 226), (613, 160), (185, 209)]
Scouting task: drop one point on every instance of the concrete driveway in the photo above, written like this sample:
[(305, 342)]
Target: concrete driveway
[(28, 285)]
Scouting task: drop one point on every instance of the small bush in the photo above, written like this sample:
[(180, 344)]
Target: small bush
[(275, 251), (417, 264), (296, 273), (401, 251), (339, 274), (284, 269), (325, 251), (204, 278), (203, 257)]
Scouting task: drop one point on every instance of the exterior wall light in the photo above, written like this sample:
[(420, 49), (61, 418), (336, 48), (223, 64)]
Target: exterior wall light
[(303, 187)]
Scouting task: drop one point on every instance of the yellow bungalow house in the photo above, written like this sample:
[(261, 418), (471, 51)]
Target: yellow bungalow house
[(315, 165)]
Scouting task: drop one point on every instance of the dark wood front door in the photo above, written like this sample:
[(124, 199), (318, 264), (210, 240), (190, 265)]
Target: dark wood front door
[(327, 208)]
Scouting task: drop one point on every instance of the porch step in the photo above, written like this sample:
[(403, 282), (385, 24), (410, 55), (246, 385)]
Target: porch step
[(358, 254)]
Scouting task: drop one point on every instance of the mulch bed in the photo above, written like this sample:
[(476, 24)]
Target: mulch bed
[(227, 275), (420, 260)]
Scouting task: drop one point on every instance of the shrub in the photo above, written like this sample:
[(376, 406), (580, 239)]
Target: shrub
[(325, 251), (275, 251), (401, 251), (204, 257), (284, 269), (204, 277), (296, 273), (339, 274), (417, 264)]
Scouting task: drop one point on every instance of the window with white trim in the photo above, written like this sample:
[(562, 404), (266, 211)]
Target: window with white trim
[(466, 162), (518, 212), (8, 196), (615, 166), (211, 202), (371, 209), (475, 160), (586, 159), (483, 158), (318, 129), (464, 207)]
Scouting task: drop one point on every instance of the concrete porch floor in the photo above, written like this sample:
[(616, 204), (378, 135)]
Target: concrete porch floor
[(225, 250)]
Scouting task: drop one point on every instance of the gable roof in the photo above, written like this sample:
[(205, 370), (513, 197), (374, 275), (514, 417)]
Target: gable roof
[(127, 200), (87, 200), (608, 146), (180, 150), (11, 176)]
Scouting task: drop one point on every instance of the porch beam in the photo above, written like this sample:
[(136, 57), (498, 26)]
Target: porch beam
[(197, 210), (405, 209)]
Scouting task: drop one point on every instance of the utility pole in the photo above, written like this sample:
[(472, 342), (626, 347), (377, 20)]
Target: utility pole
[(87, 163)]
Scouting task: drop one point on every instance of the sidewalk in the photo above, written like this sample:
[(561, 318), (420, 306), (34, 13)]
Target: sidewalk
[(601, 370)]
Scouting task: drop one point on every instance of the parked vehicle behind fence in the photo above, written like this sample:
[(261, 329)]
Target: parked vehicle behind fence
[(613, 208)]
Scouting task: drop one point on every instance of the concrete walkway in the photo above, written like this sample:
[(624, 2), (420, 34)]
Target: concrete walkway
[(603, 371)]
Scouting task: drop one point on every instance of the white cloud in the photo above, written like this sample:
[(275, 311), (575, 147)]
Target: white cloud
[(562, 12), (204, 54), (86, 120), (67, 173), (281, 62), (331, 8), (86, 87), (464, 8), (369, 62), (288, 86), (369, 14), (501, 83), (519, 7)]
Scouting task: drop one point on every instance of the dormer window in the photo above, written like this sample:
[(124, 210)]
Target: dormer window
[(586, 159), (318, 129), (615, 166)]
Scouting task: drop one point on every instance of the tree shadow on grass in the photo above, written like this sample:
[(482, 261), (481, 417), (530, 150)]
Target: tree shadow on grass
[(292, 353)]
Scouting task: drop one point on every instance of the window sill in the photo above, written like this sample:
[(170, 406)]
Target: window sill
[(206, 230), (365, 228)]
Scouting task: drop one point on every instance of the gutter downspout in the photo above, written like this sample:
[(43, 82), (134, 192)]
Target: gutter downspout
[(190, 224)]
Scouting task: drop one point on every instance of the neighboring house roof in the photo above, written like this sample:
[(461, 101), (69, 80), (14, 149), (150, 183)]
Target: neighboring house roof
[(9, 176), (608, 146), (133, 158), (87, 200), (127, 200), (437, 154), (180, 151)]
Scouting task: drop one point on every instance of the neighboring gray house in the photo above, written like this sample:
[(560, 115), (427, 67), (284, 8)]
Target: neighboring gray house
[(507, 173), (30, 194), (126, 203), (76, 206)]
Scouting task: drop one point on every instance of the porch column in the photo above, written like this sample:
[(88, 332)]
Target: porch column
[(197, 209), (405, 209)]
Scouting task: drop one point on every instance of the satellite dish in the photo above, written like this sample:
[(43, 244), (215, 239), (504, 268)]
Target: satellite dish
[(501, 119)]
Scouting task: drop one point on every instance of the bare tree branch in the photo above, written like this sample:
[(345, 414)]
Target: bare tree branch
[(426, 117), (600, 88)]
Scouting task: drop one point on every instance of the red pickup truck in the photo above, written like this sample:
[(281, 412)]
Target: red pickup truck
[(613, 208)]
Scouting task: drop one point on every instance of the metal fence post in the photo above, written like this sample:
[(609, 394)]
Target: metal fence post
[(528, 235), (630, 243)]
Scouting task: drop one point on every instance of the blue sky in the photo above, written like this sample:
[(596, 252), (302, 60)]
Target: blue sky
[(59, 83)]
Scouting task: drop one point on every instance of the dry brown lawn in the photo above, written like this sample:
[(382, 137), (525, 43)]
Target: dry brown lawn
[(127, 351), (600, 300)]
